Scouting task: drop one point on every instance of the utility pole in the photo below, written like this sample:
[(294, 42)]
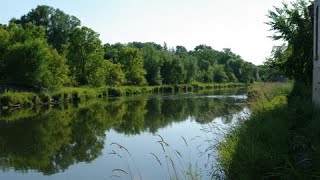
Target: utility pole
[(316, 54)]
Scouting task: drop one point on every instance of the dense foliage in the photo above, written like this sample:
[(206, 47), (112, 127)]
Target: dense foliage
[(280, 140), (48, 48), (292, 24)]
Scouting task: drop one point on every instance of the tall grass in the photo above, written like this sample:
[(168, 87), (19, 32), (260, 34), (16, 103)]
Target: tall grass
[(172, 162), (273, 143), (77, 94), (18, 99), (29, 99)]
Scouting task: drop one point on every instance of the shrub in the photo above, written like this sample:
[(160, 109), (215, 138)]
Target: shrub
[(17, 98)]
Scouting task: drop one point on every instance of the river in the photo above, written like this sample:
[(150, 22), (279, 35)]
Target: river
[(157, 136)]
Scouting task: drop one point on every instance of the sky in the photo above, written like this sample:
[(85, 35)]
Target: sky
[(236, 24)]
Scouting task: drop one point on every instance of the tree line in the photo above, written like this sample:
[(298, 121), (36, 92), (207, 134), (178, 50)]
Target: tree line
[(49, 48)]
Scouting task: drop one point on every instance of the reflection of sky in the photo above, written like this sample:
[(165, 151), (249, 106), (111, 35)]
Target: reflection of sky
[(199, 137)]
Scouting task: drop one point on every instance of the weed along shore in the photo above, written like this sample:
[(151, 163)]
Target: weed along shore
[(16, 99), (279, 140)]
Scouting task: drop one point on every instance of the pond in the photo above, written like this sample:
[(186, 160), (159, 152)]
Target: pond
[(157, 136)]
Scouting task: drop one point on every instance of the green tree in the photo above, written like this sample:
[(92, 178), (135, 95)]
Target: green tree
[(230, 74), (27, 63), (206, 58), (219, 75), (237, 67), (152, 63), (114, 74), (4, 40), (29, 31), (26, 48), (59, 68), (181, 51), (132, 64), (172, 70), (249, 73), (58, 25), (189, 63), (268, 74), (85, 57), (111, 52), (292, 23), (4, 43), (190, 67)]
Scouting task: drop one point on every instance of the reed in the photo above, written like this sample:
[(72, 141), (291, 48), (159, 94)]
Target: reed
[(11, 99), (170, 160), (277, 141)]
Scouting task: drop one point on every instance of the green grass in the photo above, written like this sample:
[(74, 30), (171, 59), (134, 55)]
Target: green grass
[(29, 99), (18, 98), (200, 86), (270, 143), (77, 94)]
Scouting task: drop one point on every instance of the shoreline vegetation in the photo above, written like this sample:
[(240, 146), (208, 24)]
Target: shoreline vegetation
[(65, 62), (16, 99), (279, 140), (55, 59)]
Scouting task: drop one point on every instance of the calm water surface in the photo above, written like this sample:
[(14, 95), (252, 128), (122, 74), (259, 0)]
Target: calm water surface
[(141, 137)]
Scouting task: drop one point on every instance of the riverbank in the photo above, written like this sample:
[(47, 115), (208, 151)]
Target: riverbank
[(14, 99), (279, 140)]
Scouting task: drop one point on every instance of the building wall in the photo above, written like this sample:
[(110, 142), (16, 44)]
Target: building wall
[(316, 56)]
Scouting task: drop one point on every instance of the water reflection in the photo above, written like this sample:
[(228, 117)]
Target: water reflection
[(53, 139), (49, 140)]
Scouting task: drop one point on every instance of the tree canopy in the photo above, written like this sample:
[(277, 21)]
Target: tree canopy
[(292, 24), (49, 48), (57, 24)]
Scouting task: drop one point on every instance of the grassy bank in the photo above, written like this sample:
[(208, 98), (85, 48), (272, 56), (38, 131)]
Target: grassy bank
[(76, 94), (279, 140)]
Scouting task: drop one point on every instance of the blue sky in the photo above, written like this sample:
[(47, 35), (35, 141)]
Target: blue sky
[(236, 24)]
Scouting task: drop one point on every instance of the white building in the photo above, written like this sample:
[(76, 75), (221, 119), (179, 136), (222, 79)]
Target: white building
[(316, 54)]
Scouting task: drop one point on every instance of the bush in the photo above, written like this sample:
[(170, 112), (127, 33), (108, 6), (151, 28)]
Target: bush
[(28, 64)]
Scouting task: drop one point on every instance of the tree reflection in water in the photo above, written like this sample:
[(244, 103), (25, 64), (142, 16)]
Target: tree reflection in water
[(49, 140)]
